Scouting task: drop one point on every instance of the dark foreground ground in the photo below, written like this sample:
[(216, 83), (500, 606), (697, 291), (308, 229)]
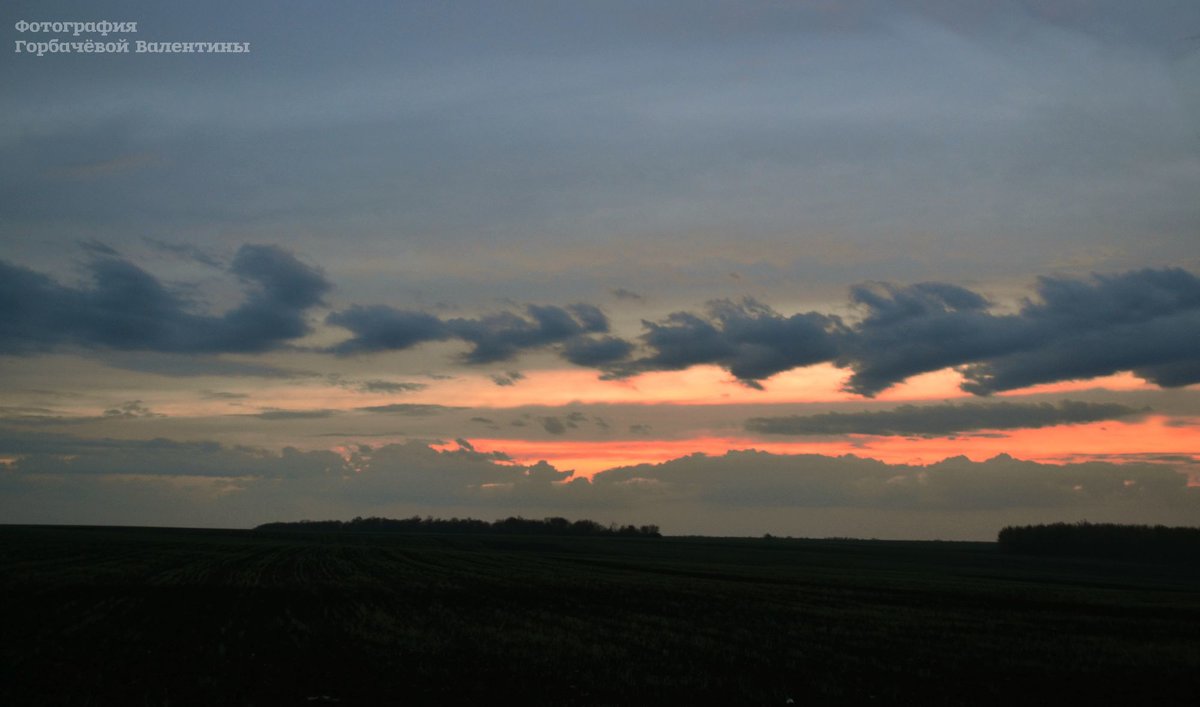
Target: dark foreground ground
[(178, 617)]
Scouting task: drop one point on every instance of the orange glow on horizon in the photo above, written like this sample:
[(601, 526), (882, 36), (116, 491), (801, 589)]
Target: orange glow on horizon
[(1054, 445), (711, 385), (699, 385)]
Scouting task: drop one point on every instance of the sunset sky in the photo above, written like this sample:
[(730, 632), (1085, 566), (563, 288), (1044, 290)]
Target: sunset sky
[(894, 268)]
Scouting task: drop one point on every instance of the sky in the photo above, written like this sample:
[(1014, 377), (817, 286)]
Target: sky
[(903, 269)]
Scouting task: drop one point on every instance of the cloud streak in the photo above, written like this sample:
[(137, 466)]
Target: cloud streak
[(293, 414), (940, 420), (409, 409)]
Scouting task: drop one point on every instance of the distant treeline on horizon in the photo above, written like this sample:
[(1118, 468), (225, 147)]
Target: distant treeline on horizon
[(506, 526), (1111, 540)]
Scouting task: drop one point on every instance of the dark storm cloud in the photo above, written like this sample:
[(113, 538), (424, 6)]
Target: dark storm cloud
[(918, 328), (1144, 321), (383, 328), (596, 352), (747, 338), (937, 420), (127, 308), (493, 337), (500, 337), (281, 289), (1171, 375)]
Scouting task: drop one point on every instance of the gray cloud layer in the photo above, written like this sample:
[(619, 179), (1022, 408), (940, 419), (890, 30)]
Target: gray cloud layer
[(938, 420), (53, 472), (1144, 321), (751, 478)]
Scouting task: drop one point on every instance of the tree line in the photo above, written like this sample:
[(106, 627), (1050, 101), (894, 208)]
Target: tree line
[(515, 525), (1111, 540)]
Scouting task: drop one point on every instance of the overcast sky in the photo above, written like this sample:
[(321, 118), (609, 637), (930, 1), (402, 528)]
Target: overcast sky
[(662, 262)]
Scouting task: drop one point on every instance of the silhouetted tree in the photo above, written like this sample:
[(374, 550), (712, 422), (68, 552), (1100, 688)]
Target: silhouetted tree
[(1083, 539), (513, 525)]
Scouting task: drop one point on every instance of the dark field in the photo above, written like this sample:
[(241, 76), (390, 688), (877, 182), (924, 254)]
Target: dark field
[(157, 617)]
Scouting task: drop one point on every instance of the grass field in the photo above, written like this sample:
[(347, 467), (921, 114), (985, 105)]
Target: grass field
[(176, 617)]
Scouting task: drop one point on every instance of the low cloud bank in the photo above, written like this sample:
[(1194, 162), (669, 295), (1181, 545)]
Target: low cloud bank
[(62, 478)]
